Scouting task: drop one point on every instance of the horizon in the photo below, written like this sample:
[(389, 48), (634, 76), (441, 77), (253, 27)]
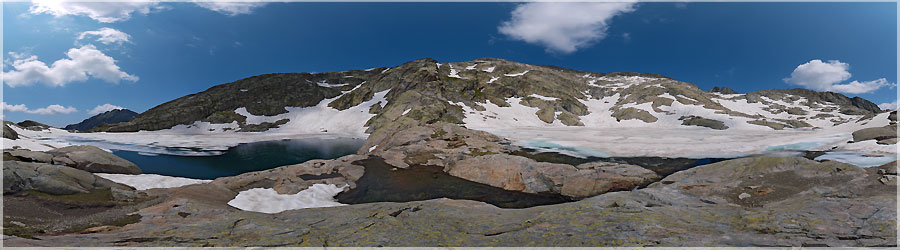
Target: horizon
[(163, 51)]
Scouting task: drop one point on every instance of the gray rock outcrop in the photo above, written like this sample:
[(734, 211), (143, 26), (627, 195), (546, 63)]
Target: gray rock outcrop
[(877, 133), (94, 160), (9, 133), (703, 122), (56, 180)]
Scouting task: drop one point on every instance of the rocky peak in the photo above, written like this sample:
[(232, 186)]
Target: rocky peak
[(723, 90)]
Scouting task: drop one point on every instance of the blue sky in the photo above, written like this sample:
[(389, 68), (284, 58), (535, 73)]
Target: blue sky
[(169, 50)]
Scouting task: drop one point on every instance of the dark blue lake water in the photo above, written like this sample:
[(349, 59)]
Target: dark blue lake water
[(243, 158)]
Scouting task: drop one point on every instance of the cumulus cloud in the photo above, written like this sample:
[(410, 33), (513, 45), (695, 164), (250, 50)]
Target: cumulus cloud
[(110, 12), (231, 8), (106, 36), (826, 76), (886, 106), (81, 64), (104, 12), (104, 108), (49, 110), (562, 27)]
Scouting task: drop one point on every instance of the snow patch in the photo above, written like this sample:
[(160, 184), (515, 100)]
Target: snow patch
[(244, 90), (517, 74), (324, 83), (493, 79), (472, 67), (150, 181), (545, 98), (266, 200), (373, 148), (491, 69), (405, 112), (454, 73)]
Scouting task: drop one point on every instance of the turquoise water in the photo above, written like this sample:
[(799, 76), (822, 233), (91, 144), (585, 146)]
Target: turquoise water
[(243, 158)]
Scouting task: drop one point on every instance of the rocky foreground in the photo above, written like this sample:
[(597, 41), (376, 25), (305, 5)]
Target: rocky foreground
[(760, 201), (744, 202)]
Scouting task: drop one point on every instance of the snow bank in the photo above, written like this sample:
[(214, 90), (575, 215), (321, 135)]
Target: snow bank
[(150, 181), (266, 200), (25, 143), (32, 140)]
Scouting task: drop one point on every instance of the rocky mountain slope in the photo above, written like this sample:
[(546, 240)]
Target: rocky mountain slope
[(490, 92), (103, 119)]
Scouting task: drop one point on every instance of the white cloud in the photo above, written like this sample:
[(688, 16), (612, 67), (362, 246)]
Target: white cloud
[(231, 8), (104, 108), (14, 108), (825, 76), (857, 87), (106, 36), (104, 12), (110, 12), (562, 27), (82, 63), (886, 106), (49, 110)]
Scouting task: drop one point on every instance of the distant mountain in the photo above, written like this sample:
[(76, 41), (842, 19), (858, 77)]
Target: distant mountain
[(108, 117), (489, 92)]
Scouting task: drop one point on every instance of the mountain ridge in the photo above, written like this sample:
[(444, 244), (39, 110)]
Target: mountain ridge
[(428, 91), (106, 118)]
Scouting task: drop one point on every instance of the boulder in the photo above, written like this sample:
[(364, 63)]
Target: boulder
[(518, 173), (9, 133), (877, 133), (703, 122), (298, 177), (891, 141), (634, 113), (596, 178), (95, 160), (30, 156), (55, 179)]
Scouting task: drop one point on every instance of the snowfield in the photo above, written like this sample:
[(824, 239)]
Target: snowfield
[(266, 200), (150, 181)]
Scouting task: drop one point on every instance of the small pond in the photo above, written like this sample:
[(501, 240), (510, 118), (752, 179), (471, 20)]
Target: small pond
[(384, 183), (243, 158)]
